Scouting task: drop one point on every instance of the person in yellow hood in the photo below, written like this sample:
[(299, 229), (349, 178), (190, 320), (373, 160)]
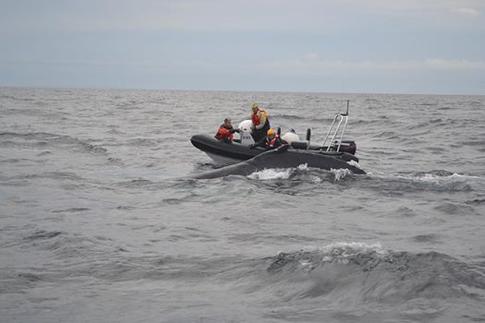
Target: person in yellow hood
[(270, 141), (260, 119)]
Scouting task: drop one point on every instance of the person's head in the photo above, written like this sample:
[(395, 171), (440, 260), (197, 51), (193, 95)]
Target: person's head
[(271, 133), (227, 123), (254, 107)]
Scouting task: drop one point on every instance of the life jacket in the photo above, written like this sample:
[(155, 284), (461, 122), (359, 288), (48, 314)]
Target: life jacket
[(224, 133), (256, 117), (273, 143)]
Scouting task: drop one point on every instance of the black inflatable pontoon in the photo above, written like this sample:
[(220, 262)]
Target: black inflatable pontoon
[(222, 151)]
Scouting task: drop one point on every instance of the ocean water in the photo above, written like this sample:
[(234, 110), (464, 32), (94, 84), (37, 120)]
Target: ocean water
[(100, 220)]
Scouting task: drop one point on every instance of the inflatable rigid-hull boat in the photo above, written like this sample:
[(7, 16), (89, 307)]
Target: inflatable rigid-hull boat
[(334, 151), (226, 153)]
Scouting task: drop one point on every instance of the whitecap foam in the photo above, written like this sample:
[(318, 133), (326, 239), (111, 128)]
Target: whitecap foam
[(430, 178), (316, 179), (276, 173), (346, 249), (272, 173), (354, 163), (427, 177), (310, 257), (303, 167), (340, 173)]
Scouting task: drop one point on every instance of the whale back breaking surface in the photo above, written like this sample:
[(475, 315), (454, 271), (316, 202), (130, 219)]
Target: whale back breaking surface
[(281, 158)]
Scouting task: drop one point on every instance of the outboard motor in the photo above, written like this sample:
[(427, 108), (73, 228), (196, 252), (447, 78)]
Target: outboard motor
[(290, 136), (245, 125), (347, 146)]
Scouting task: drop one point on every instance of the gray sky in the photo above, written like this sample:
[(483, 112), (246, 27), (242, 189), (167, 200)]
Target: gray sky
[(426, 46)]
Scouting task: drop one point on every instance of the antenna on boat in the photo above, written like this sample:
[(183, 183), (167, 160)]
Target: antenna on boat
[(346, 113)]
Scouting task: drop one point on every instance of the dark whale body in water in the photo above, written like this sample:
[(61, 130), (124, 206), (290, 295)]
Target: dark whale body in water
[(283, 157)]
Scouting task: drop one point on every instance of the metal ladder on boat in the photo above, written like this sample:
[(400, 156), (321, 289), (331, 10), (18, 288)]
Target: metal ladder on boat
[(336, 132)]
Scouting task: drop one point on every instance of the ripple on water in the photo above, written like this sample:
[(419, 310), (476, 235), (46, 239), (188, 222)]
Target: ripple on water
[(455, 209), (427, 238)]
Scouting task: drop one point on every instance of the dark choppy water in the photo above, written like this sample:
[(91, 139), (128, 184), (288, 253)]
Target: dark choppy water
[(97, 222)]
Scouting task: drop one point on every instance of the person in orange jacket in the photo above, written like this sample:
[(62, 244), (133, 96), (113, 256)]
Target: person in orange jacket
[(270, 141), (260, 119), (226, 131)]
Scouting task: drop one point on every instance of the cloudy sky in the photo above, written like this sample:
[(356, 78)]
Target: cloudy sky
[(379, 46)]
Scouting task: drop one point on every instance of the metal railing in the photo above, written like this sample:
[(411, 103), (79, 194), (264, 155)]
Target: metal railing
[(336, 130)]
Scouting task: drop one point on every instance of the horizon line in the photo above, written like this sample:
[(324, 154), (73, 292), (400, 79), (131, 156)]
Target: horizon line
[(51, 87)]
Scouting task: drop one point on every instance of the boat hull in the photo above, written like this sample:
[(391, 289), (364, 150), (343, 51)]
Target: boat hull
[(226, 153)]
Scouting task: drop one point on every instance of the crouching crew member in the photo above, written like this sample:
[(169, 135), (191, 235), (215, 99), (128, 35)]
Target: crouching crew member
[(226, 131), (270, 141)]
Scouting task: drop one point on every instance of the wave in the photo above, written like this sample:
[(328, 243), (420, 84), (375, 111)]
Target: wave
[(479, 143), (427, 238), (356, 274), (147, 142), (71, 210), (68, 176), (44, 139), (454, 208), (19, 160), (139, 182), (475, 201), (366, 273), (430, 123), (442, 180), (15, 98), (295, 117), (288, 116), (434, 180), (389, 135), (42, 234)]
